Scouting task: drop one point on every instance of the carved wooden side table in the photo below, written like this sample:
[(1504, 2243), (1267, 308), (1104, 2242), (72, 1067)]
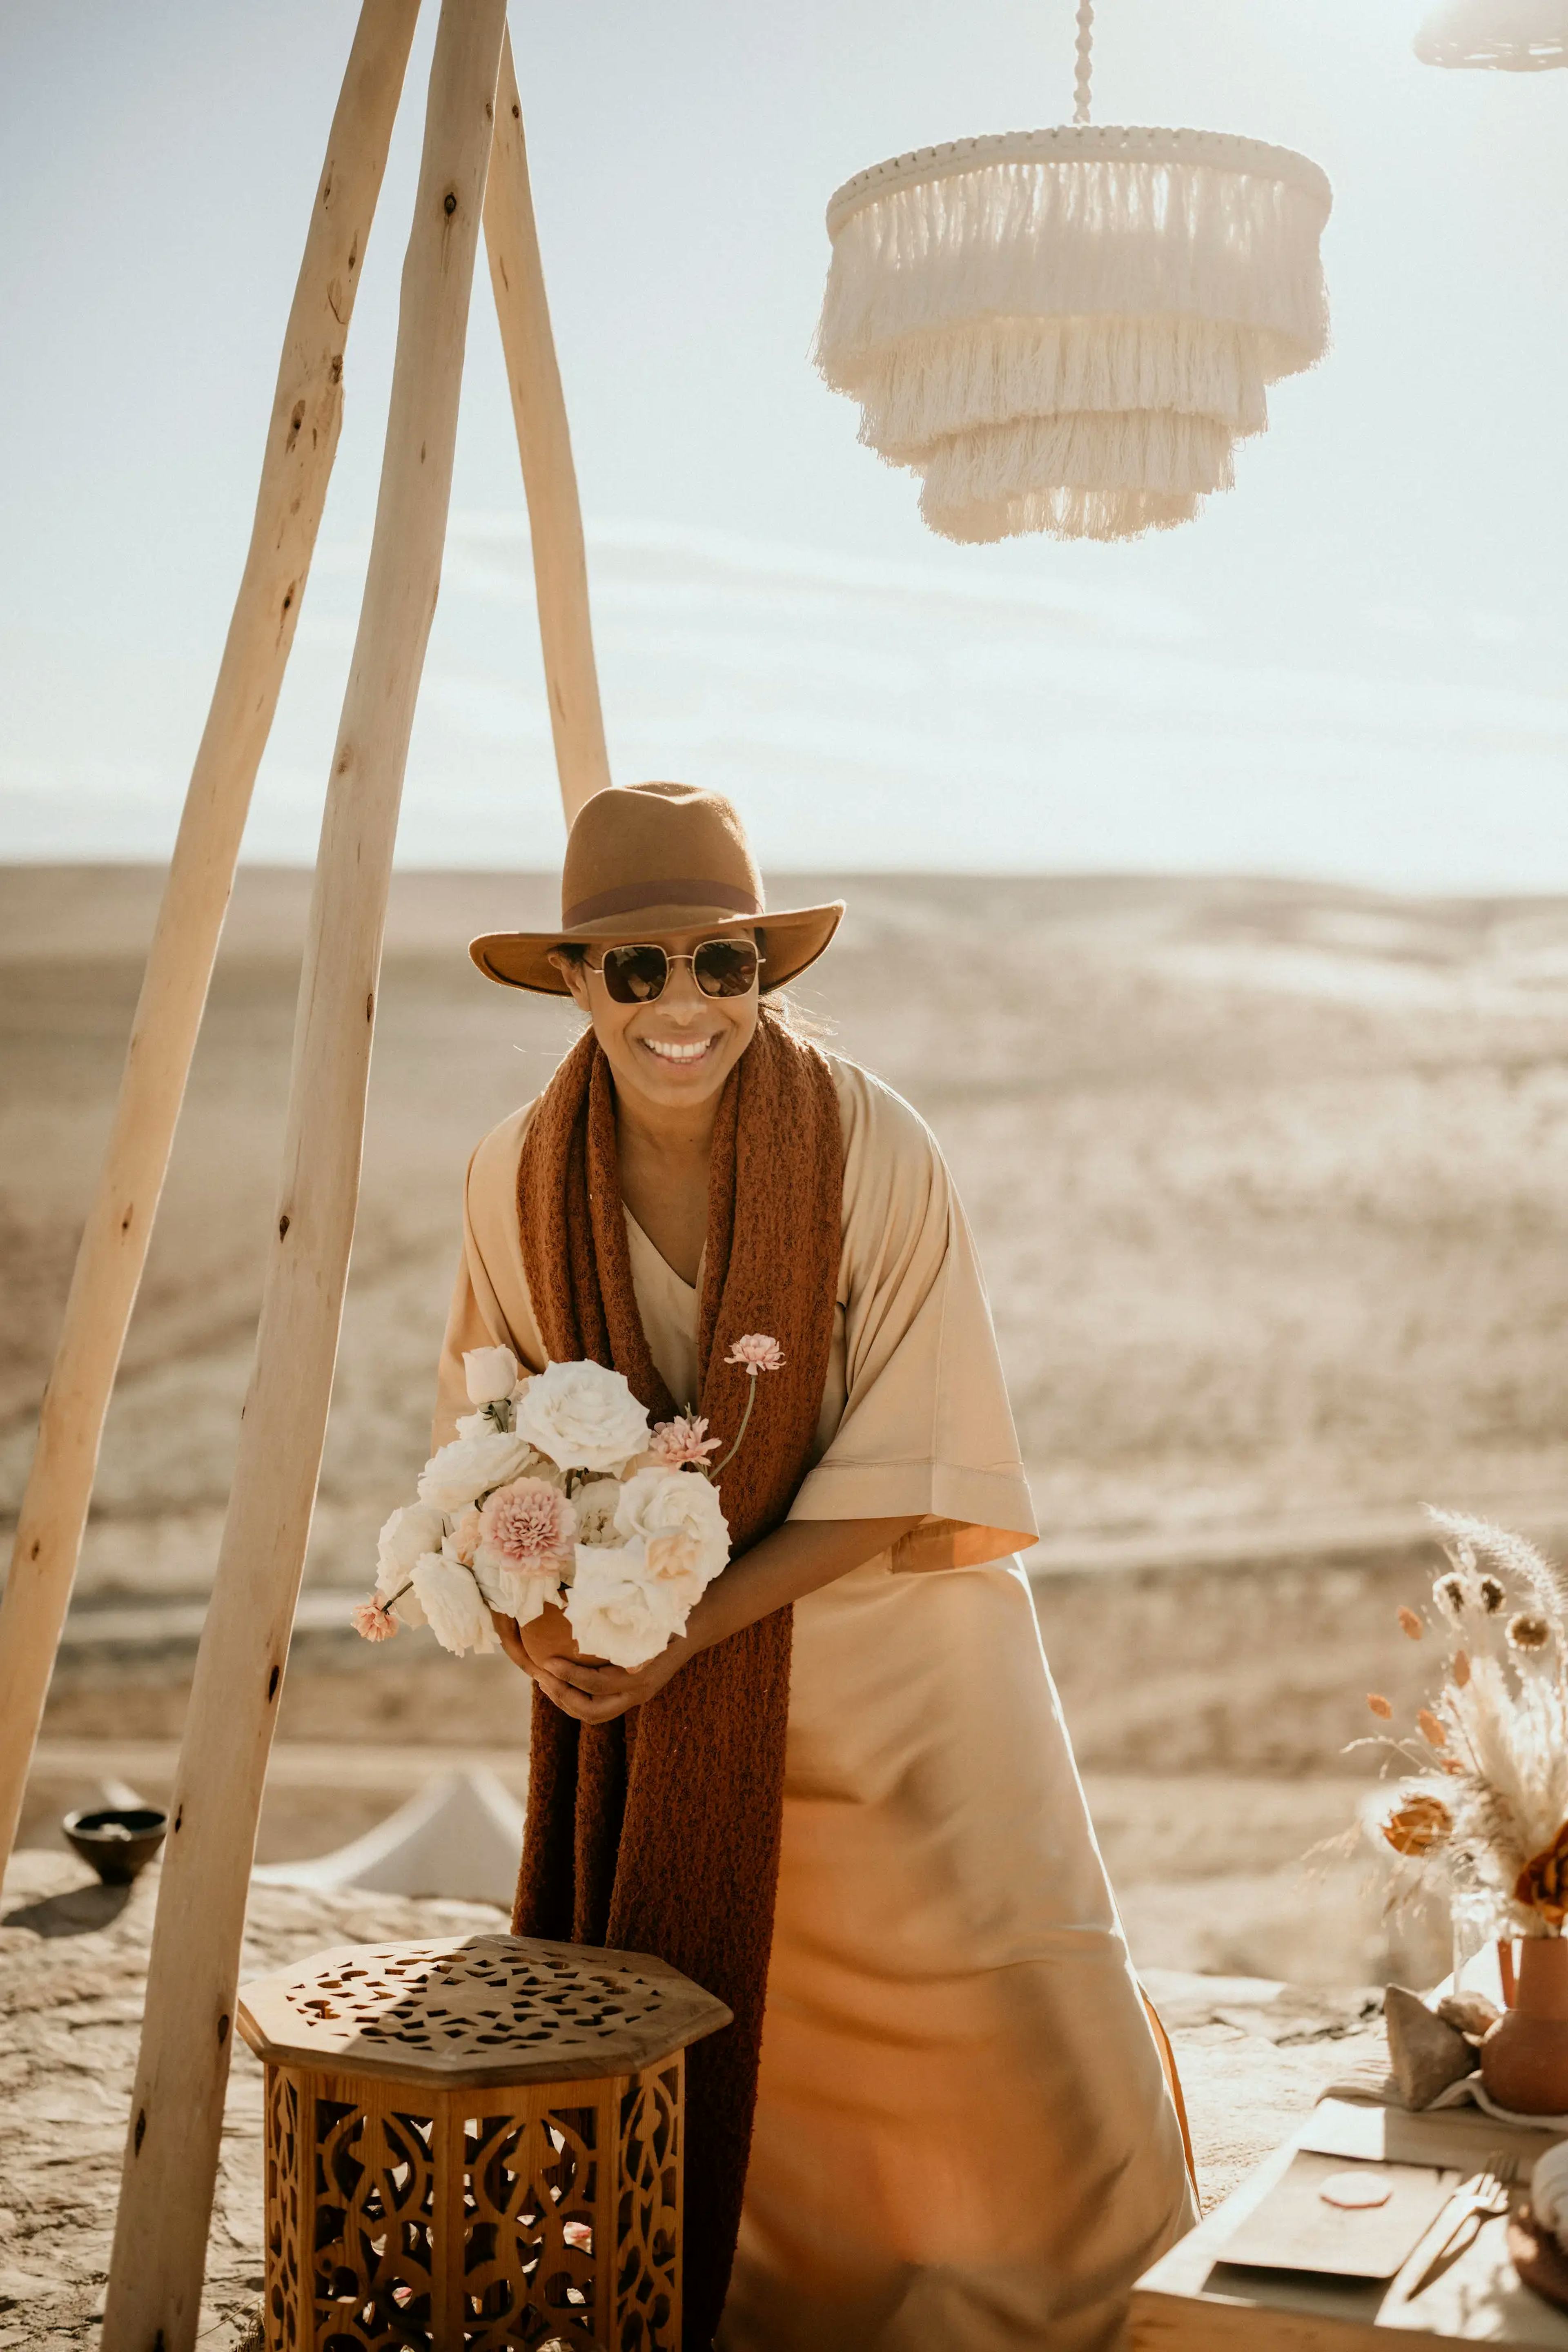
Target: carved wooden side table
[(474, 2146)]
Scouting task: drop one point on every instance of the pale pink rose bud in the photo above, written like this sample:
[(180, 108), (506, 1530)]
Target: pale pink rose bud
[(757, 1353), (672, 1559), (465, 1536), (528, 1523), (373, 1623)]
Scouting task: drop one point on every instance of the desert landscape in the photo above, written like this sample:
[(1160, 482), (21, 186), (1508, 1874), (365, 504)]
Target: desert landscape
[(1266, 1178)]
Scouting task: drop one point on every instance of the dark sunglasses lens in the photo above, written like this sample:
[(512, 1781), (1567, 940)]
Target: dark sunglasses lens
[(725, 967), (636, 975)]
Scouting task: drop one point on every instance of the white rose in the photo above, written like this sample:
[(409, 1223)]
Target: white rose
[(595, 1505), (660, 1503), (417, 1528), (614, 1611), (453, 1608), (583, 1416), (490, 1374), (480, 1457)]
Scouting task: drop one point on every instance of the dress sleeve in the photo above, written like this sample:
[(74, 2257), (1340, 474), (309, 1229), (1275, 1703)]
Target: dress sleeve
[(926, 1427), (490, 1306), (465, 1329)]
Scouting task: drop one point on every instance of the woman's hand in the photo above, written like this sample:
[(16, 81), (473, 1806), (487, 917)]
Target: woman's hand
[(798, 1558), (591, 1689), (598, 1692), (544, 1645)]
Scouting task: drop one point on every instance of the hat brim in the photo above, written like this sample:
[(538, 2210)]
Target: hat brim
[(793, 938)]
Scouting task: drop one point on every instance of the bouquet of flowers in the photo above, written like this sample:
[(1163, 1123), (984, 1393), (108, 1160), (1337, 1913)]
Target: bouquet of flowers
[(1483, 1816), (556, 1492)]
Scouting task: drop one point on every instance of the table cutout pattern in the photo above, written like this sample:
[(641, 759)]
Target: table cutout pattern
[(483, 1996), (546, 2241)]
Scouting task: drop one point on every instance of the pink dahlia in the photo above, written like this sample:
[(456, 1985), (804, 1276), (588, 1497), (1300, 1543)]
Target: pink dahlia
[(529, 1523), (757, 1353), (374, 1621), (683, 1440)]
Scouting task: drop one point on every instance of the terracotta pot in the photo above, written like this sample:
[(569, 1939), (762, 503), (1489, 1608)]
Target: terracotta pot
[(1524, 2058)]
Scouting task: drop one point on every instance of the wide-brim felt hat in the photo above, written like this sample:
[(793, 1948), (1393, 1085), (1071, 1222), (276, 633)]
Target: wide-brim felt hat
[(642, 859)]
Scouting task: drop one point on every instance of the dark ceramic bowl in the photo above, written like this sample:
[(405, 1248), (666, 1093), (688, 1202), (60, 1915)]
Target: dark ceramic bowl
[(119, 1841)]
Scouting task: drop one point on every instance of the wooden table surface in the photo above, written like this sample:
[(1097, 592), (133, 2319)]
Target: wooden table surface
[(1192, 2300)]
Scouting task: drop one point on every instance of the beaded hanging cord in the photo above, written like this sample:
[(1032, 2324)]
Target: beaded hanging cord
[(1084, 60)]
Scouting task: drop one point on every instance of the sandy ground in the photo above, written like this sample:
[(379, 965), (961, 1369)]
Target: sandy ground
[(1266, 1179), (72, 1968)]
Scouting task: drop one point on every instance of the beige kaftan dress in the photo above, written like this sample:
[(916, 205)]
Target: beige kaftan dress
[(963, 2139)]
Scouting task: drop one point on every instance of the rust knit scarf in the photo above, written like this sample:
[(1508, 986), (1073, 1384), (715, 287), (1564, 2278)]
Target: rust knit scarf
[(659, 1832)]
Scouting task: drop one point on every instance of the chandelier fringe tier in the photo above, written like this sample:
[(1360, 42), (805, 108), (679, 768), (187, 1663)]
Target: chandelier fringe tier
[(1507, 36), (1068, 329)]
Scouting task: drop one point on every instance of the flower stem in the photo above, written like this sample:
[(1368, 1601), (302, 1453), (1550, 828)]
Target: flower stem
[(739, 1433)]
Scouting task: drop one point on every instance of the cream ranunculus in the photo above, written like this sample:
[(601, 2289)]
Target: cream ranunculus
[(489, 1373), (615, 1610), (657, 1503), (596, 1505), (583, 1416), (481, 1456), (453, 1607), (417, 1528), (516, 1592)]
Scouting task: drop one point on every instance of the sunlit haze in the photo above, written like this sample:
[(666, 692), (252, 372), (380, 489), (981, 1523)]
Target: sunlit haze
[(1351, 665)]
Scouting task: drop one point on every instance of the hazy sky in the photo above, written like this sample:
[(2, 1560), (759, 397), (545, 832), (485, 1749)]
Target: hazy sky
[(1353, 664)]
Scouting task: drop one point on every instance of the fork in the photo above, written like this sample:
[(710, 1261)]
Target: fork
[(1486, 2201)]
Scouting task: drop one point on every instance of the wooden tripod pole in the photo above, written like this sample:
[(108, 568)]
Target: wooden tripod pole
[(176, 2108), (545, 445), (301, 439)]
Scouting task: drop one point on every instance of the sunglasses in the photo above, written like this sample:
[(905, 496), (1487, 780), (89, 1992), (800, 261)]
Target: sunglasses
[(636, 975)]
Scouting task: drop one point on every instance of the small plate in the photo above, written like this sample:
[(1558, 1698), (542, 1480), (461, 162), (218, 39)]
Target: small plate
[(1357, 2190)]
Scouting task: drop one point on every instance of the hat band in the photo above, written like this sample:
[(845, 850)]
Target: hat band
[(630, 898)]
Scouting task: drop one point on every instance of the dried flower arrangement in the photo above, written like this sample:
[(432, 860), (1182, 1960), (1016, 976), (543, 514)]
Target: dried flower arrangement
[(1483, 1816)]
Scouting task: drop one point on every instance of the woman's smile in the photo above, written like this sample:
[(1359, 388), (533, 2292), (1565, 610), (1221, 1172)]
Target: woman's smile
[(683, 1050)]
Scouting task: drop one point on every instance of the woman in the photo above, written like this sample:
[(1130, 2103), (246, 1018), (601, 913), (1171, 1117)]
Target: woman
[(843, 1799)]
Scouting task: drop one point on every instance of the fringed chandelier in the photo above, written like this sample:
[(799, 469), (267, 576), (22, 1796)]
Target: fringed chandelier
[(1068, 331), (1510, 36)]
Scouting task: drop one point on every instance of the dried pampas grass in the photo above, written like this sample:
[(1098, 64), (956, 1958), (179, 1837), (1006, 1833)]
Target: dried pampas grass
[(1493, 1830), (1503, 1558)]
